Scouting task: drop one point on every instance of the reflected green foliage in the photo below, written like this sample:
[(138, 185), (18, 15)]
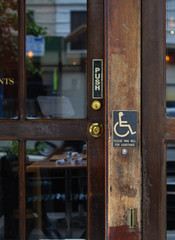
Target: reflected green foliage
[(8, 33), (9, 36), (41, 147), (14, 148), (33, 28), (31, 67)]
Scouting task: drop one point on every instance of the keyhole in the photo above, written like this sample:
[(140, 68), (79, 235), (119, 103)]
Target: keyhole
[(96, 130)]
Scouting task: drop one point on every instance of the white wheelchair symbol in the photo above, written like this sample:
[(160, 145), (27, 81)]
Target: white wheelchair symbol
[(123, 124)]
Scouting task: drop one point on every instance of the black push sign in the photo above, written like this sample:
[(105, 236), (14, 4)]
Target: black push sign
[(97, 78), (124, 129)]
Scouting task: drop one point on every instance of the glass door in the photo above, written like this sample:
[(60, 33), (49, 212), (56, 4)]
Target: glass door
[(52, 120)]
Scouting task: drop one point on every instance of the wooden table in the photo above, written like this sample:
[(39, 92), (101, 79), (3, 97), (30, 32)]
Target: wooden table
[(51, 164)]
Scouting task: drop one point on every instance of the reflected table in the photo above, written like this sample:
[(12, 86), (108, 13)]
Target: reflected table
[(53, 164)]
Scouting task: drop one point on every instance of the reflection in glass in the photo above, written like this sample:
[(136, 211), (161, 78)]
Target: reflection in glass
[(56, 44), (9, 208), (8, 59), (170, 191), (56, 196)]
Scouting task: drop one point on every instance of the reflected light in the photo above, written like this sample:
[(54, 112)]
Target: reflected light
[(171, 22), (74, 63), (167, 58), (172, 32), (30, 54)]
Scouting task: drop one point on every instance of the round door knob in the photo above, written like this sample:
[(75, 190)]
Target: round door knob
[(96, 129), (96, 105)]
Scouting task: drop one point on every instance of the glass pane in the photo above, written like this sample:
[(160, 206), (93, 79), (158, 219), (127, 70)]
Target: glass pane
[(56, 50), (9, 207), (170, 191), (56, 178), (8, 59)]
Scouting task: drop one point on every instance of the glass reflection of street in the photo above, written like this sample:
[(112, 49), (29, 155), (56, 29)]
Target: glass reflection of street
[(56, 51)]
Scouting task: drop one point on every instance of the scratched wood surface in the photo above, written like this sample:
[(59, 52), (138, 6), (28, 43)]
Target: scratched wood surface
[(124, 81), (153, 114)]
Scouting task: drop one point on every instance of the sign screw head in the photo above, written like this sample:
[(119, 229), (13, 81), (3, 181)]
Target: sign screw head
[(124, 151)]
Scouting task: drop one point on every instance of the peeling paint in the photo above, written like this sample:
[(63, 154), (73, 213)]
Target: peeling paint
[(122, 233), (128, 191)]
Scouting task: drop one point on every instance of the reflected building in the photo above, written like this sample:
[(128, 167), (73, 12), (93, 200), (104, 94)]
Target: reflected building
[(170, 56), (61, 57)]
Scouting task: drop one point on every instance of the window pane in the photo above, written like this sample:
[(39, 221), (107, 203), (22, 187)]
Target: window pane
[(56, 178), (8, 59), (170, 191), (9, 207), (56, 50)]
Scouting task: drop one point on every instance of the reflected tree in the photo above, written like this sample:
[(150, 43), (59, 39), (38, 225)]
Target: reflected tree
[(8, 33)]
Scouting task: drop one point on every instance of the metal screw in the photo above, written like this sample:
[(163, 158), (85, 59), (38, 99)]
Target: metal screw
[(124, 151)]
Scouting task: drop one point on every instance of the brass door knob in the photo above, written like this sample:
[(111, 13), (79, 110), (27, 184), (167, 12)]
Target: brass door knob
[(96, 129)]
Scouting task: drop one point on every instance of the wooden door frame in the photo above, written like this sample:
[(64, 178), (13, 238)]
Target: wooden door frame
[(23, 129), (123, 76), (157, 129)]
